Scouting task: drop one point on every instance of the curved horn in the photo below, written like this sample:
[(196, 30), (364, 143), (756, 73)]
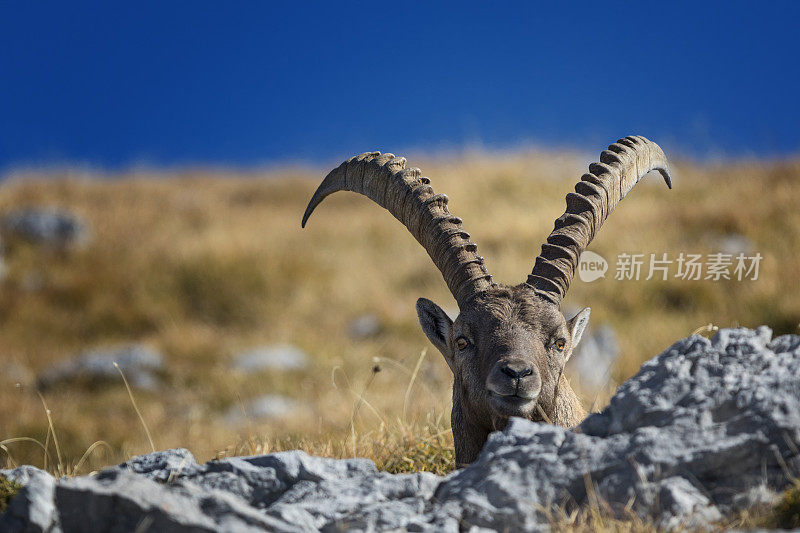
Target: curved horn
[(408, 196), (596, 195)]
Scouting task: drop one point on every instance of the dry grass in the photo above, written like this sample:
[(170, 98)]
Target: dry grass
[(787, 512), (202, 267), (8, 489)]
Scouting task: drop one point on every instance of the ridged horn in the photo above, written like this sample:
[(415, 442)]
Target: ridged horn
[(596, 195), (408, 196)]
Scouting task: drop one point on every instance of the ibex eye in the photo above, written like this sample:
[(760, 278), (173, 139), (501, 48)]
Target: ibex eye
[(462, 343), (560, 345)]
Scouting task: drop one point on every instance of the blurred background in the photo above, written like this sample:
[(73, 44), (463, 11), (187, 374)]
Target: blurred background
[(156, 158)]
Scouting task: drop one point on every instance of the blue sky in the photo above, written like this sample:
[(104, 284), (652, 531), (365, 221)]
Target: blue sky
[(112, 84)]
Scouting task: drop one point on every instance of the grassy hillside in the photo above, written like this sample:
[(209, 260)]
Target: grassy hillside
[(201, 266)]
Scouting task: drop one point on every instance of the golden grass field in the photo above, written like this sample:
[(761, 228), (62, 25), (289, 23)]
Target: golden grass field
[(203, 265)]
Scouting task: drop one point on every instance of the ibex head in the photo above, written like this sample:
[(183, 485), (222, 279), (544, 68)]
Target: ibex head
[(508, 346)]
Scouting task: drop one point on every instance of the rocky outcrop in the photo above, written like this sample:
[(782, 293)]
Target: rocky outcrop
[(169, 491), (703, 429)]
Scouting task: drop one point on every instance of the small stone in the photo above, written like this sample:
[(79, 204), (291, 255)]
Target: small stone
[(139, 363), (275, 357), (684, 506), (734, 243), (45, 226), (264, 407), (364, 326), (15, 373)]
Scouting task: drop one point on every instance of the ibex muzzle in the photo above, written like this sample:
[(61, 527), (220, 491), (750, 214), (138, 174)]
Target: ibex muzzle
[(508, 346)]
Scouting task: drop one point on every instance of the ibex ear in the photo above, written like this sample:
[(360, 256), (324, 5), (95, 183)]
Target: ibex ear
[(436, 325), (577, 325)]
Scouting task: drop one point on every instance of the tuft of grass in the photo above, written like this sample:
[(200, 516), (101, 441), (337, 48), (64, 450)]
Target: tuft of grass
[(136, 408), (591, 519), (786, 514), (397, 445), (422, 453), (421, 449), (8, 489)]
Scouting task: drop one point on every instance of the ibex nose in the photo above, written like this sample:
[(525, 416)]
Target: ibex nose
[(516, 371)]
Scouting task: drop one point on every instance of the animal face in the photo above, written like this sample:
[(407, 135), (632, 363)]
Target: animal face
[(507, 350)]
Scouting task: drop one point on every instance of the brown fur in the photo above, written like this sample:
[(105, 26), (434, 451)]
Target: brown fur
[(511, 363)]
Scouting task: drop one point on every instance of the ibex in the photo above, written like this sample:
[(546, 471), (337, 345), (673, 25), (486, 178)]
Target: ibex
[(508, 346)]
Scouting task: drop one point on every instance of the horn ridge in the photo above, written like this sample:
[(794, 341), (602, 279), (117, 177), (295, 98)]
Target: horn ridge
[(408, 196), (596, 195)]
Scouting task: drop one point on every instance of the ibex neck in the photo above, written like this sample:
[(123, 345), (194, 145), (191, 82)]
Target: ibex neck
[(569, 411)]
